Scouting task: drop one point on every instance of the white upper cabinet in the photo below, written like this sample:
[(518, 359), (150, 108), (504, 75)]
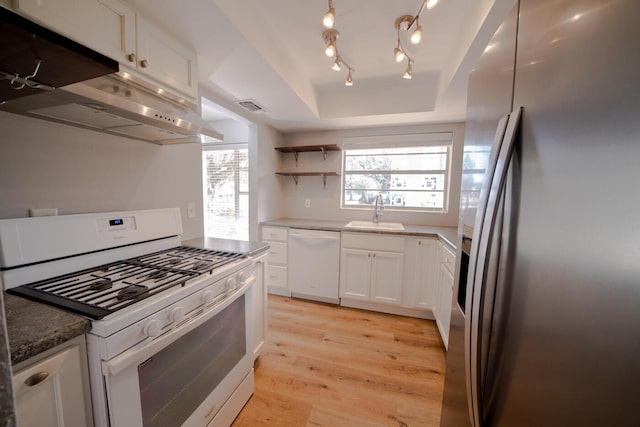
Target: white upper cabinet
[(114, 29), (106, 26), (164, 59)]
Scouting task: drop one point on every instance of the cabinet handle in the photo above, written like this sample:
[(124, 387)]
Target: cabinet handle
[(144, 63), (419, 242), (374, 254), (131, 57), (369, 255), (36, 378)]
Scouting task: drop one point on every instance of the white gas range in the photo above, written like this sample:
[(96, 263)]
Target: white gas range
[(171, 333)]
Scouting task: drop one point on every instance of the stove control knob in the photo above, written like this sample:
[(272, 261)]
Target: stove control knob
[(177, 314), (241, 277), (152, 328), (231, 283), (207, 297)]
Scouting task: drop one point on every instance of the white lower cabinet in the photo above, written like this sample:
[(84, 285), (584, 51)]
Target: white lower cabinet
[(371, 268), (276, 268), (52, 389), (259, 306), (444, 292), (421, 273)]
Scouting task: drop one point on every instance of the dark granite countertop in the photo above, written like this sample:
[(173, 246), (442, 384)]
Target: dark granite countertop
[(245, 247), (34, 327), (447, 234)]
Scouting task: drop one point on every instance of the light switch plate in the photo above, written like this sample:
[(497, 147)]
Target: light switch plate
[(307, 203), (191, 210)]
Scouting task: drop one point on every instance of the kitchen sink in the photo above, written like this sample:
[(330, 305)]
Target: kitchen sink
[(388, 226)]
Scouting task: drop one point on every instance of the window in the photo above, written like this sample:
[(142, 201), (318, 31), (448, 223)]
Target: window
[(411, 172), (226, 192)]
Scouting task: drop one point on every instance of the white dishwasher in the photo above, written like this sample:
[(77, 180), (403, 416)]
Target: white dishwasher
[(314, 264)]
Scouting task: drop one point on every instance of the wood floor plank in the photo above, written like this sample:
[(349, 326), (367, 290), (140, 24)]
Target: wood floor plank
[(326, 365)]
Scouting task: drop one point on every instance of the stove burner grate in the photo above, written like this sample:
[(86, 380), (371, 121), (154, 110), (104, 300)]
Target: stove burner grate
[(102, 290)]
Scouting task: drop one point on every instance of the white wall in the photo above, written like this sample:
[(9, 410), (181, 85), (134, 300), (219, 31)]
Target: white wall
[(325, 202), (268, 199), (45, 165)]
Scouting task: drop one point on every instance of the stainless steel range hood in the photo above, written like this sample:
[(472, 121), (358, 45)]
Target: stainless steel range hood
[(118, 105)]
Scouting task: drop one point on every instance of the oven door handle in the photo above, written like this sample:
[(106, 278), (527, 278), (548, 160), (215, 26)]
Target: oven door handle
[(144, 350)]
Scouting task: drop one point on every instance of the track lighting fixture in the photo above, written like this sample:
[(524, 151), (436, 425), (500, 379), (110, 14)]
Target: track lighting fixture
[(337, 64), (329, 18), (416, 36), (405, 23), (409, 71), (349, 81), (330, 36)]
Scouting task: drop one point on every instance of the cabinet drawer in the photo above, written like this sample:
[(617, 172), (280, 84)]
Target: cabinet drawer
[(276, 276), (448, 258), (275, 234), (277, 253), (373, 242)]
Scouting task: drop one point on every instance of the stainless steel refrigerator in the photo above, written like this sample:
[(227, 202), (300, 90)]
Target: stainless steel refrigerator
[(545, 329)]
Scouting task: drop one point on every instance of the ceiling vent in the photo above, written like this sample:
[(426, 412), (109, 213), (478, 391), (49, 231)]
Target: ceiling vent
[(251, 105)]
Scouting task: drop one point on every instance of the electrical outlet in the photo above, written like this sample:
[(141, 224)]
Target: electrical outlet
[(191, 210), (307, 203)]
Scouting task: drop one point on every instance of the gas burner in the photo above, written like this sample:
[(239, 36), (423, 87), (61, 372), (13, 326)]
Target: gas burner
[(157, 275), (173, 261), (131, 292), (201, 265), (101, 285)]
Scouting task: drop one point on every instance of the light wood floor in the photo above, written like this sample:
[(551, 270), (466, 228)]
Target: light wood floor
[(325, 365)]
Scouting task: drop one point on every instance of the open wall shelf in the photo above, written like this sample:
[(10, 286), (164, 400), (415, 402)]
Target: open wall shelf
[(296, 175), (309, 148)]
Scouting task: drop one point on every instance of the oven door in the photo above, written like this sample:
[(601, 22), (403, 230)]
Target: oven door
[(186, 375)]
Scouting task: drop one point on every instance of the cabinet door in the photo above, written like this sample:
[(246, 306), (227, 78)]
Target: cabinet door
[(355, 274), (259, 307), (164, 59), (427, 273), (386, 277), (106, 26), (51, 392), (443, 311)]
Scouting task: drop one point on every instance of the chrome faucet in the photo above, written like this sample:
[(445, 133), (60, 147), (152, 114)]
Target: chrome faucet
[(378, 206)]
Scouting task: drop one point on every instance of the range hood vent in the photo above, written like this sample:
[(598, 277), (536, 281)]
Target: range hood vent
[(34, 59), (117, 105)]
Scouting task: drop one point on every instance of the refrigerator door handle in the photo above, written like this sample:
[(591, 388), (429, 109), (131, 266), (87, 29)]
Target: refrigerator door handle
[(475, 243), (480, 259)]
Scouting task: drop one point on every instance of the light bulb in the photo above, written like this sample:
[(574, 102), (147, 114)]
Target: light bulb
[(416, 36), (399, 54), (329, 18), (409, 71), (432, 3), (349, 81), (337, 64), (330, 50)]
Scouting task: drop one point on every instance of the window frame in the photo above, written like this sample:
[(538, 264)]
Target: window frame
[(207, 147), (440, 139)]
